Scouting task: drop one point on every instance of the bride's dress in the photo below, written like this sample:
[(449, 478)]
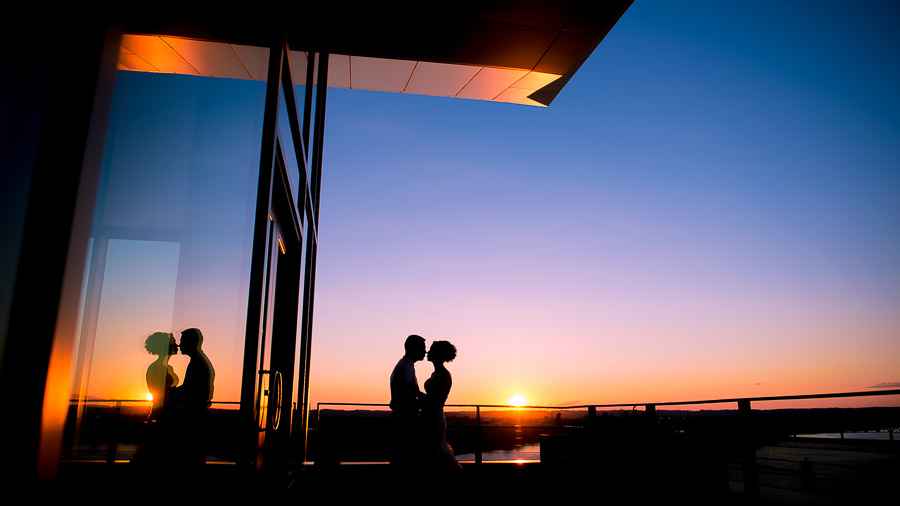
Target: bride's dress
[(438, 453)]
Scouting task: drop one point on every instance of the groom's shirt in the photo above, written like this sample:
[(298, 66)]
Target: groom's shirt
[(404, 386), (199, 380)]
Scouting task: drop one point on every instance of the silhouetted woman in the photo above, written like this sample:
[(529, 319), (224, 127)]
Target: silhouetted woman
[(160, 432), (437, 453), (161, 378)]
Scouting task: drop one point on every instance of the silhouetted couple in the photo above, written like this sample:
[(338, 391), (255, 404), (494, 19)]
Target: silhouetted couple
[(180, 414), (417, 419)]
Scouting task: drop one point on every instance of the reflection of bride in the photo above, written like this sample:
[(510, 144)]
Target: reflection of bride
[(438, 454), (161, 378)]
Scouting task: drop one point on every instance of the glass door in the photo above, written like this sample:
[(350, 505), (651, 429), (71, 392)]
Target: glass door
[(277, 278), (278, 328)]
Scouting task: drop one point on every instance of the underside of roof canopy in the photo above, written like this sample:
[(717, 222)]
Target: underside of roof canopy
[(505, 51)]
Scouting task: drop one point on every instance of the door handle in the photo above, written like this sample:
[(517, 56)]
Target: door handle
[(269, 416), (275, 396)]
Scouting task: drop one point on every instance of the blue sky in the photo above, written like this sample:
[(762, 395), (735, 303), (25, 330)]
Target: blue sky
[(708, 208)]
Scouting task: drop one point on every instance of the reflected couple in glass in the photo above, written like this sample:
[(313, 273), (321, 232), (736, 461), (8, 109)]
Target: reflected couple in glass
[(179, 413)]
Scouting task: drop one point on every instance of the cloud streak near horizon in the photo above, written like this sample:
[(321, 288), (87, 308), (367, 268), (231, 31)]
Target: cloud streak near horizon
[(887, 384)]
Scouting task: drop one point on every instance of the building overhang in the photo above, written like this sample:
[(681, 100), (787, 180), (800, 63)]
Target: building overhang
[(503, 51)]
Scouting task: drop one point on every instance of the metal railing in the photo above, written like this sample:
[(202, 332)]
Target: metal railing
[(650, 408), (113, 426), (478, 427), (113, 421)]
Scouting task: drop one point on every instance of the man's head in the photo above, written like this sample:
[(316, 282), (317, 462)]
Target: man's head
[(415, 347), (191, 339)]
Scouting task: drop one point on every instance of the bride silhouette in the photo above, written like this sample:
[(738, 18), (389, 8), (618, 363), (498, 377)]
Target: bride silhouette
[(160, 437), (437, 453), (161, 377)]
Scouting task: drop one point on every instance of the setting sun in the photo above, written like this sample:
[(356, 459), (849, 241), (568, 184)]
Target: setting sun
[(518, 400), (149, 396)]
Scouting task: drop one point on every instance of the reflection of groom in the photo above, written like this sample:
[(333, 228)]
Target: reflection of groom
[(405, 395), (195, 396)]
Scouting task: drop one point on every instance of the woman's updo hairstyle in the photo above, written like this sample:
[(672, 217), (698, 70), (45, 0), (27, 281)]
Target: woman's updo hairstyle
[(161, 343), (443, 351)]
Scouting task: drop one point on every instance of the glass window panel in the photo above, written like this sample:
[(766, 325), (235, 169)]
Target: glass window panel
[(139, 285), (170, 242)]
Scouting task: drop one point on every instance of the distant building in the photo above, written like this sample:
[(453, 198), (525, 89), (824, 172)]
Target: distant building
[(137, 199)]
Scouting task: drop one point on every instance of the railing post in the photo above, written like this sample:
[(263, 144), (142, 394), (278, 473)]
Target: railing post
[(651, 411), (592, 415), (748, 452), (478, 445), (112, 447)]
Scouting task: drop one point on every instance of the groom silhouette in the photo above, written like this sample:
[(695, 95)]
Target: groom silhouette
[(194, 397), (405, 395)]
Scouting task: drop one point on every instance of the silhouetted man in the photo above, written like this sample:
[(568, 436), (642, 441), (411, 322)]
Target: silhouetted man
[(405, 395), (195, 395)]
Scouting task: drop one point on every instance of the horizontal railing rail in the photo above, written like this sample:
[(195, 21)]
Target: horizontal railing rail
[(743, 404), (112, 437), (134, 401), (867, 393)]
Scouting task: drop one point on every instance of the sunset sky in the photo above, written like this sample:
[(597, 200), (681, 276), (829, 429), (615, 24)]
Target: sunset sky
[(710, 208)]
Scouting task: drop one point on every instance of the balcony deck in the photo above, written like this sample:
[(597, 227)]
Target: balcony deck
[(732, 456)]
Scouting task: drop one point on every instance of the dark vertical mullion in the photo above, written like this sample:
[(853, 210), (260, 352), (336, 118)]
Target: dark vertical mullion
[(294, 121), (319, 134), (307, 101), (306, 350), (258, 249), (312, 245), (305, 335)]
